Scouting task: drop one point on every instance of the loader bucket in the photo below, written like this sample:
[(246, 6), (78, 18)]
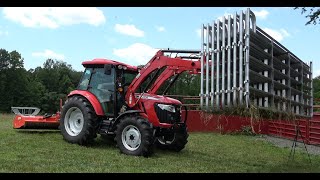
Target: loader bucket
[(27, 118)]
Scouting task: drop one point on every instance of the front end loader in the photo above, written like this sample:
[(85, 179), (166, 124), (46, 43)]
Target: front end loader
[(121, 102)]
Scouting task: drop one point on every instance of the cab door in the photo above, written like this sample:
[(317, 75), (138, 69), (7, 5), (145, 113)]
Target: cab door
[(102, 85)]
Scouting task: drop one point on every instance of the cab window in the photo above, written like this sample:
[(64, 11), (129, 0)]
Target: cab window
[(84, 82)]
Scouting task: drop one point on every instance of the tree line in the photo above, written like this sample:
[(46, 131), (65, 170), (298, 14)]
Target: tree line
[(40, 87), (44, 86)]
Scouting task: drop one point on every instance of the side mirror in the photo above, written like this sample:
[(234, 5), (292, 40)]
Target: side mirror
[(107, 69)]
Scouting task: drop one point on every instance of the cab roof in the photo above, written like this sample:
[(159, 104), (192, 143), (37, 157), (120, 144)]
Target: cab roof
[(101, 61)]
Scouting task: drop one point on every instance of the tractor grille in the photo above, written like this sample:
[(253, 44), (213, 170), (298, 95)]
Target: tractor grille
[(168, 117)]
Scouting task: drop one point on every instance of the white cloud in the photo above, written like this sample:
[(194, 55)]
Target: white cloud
[(284, 32), (128, 29), (136, 54), (225, 15), (278, 35), (54, 17), (160, 28), (261, 14), (49, 54)]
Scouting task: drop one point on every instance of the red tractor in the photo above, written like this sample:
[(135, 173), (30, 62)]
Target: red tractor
[(120, 102)]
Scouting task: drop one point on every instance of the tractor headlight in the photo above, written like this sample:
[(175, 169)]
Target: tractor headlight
[(167, 107)]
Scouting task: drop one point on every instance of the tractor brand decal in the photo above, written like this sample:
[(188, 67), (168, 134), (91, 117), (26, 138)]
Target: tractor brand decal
[(138, 75), (146, 66), (148, 97), (130, 99)]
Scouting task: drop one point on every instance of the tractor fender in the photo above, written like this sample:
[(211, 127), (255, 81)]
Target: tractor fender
[(91, 98), (126, 113)]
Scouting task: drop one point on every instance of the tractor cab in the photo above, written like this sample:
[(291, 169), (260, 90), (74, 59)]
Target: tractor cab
[(107, 80)]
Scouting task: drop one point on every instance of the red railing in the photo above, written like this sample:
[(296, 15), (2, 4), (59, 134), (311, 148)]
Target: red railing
[(192, 102), (200, 121)]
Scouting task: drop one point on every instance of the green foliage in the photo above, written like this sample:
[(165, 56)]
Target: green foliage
[(312, 14), (16, 61), (247, 130), (50, 101), (316, 92), (41, 87), (4, 59), (316, 87), (185, 84)]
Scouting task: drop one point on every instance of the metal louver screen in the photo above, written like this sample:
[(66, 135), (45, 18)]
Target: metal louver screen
[(242, 65)]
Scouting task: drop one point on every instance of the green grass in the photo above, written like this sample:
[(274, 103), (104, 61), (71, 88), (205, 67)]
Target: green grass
[(46, 151)]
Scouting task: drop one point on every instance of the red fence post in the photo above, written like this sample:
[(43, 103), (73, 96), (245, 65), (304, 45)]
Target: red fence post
[(308, 131)]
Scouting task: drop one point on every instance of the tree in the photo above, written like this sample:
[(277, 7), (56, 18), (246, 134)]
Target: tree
[(4, 59), (58, 78), (316, 87), (13, 80), (41, 87), (313, 14), (16, 61)]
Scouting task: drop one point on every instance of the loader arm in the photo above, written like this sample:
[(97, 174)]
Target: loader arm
[(173, 66)]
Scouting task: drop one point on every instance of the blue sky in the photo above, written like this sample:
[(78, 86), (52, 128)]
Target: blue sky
[(132, 34)]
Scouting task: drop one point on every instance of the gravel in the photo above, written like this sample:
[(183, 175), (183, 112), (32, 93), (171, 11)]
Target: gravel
[(287, 143)]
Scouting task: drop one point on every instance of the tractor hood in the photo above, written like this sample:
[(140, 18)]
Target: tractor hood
[(157, 98)]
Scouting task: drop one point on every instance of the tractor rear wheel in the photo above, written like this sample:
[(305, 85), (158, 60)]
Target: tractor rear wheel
[(174, 140), (134, 136), (78, 121)]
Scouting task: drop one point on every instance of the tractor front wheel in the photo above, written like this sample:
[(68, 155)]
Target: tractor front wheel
[(78, 121), (134, 136)]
